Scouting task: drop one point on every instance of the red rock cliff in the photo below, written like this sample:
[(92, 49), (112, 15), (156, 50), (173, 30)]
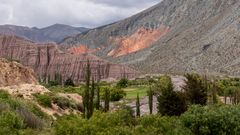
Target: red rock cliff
[(47, 60)]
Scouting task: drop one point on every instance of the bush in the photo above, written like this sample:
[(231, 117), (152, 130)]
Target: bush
[(10, 123), (117, 94), (69, 82), (44, 100), (29, 118), (64, 103), (123, 83), (209, 120), (4, 95)]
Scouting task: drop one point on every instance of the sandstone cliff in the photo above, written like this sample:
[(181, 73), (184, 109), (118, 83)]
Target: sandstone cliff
[(48, 61)]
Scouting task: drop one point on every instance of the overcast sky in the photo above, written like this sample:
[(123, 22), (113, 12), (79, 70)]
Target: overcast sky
[(87, 13)]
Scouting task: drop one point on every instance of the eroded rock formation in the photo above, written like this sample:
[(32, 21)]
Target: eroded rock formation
[(13, 73), (48, 61)]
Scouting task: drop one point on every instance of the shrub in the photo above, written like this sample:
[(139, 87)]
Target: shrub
[(10, 123), (53, 83), (44, 100), (117, 94), (4, 95), (208, 120), (63, 102), (123, 83), (29, 118), (69, 82)]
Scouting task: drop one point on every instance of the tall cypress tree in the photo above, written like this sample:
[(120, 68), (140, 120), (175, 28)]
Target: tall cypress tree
[(150, 100), (138, 113), (91, 106), (86, 93), (98, 97), (107, 99), (98, 88)]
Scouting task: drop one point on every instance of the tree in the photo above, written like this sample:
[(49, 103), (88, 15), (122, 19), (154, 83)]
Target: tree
[(69, 82), (98, 97), (195, 89), (91, 103), (170, 102), (150, 100), (106, 99), (138, 113), (86, 98)]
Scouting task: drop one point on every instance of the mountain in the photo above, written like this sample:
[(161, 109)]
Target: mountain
[(50, 63), (53, 33), (174, 36)]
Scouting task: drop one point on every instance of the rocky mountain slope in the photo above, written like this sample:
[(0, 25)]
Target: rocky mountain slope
[(53, 33), (175, 36), (49, 62)]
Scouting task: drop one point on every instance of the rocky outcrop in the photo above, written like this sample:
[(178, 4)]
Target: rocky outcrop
[(201, 36), (50, 63), (13, 73)]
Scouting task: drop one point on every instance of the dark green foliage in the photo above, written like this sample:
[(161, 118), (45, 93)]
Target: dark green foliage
[(106, 98), (209, 120), (98, 97), (63, 102), (120, 123), (117, 94), (10, 123), (69, 82), (86, 97), (58, 78), (214, 93), (150, 100), (44, 100), (91, 103), (233, 93), (196, 89), (4, 95), (123, 83), (170, 102), (29, 118), (53, 83), (138, 113)]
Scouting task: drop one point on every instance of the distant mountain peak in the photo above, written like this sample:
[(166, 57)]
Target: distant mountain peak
[(54, 33)]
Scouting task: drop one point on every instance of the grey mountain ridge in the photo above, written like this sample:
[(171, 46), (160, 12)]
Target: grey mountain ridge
[(204, 36), (53, 33)]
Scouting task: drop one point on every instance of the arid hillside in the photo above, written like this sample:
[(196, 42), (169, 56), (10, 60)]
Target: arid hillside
[(174, 36)]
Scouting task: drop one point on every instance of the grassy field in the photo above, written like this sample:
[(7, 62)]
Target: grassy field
[(134, 90)]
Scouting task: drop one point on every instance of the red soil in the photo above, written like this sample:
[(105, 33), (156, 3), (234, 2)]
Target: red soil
[(139, 40)]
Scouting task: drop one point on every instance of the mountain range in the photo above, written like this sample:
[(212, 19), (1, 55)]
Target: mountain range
[(174, 36), (53, 33)]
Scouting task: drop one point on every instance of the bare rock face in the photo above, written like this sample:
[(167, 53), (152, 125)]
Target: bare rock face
[(49, 62), (13, 73), (191, 35)]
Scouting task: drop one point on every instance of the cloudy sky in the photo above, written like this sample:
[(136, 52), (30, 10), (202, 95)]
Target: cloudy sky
[(87, 13)]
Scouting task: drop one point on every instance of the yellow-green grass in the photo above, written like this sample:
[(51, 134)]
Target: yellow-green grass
[(134, 90)]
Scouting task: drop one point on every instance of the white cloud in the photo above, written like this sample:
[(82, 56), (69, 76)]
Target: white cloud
[(88, 13)]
